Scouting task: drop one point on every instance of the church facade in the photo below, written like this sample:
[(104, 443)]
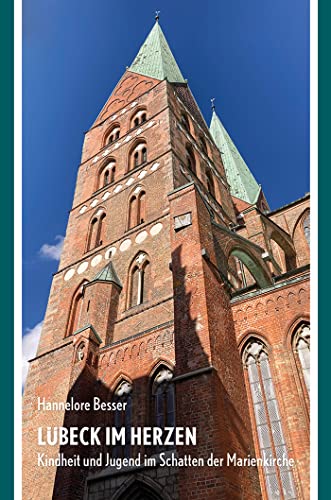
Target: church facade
[(182, 299)]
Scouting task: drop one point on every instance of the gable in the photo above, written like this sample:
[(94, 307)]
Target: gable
[(130, 86)]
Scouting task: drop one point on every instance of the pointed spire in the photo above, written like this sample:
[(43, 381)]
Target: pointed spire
[(242, 182), (108, 273), (155, 58)]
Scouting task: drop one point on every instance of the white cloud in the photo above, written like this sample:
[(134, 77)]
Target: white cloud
[(29, 347), (52, 252)]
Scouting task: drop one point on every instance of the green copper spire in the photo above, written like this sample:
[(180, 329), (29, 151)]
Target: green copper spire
[(242, 182), (155, 58), (108, 273)]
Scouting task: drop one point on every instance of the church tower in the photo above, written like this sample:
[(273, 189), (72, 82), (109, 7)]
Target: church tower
[(145, 307)]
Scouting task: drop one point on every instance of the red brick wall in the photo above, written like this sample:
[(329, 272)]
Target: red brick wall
[(272, 317)]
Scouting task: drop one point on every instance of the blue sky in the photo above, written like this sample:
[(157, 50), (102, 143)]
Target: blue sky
[(253, 57)]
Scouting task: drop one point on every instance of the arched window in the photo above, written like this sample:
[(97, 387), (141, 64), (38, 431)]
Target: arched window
[(75, 310), (163, 392), (133, 212), (144, 155), (190, 159), (107, 174), (141, 207), (278, 479), (137, 209), (123, 417), (113, 134), (301, 347), (96, 231), (210, 182), (138, 118), (140, 280), (306, 226), (138, 156), (101, 230), (92, 234), (185, 122)]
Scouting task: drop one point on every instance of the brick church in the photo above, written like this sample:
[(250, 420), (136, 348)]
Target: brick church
[(181, 294)]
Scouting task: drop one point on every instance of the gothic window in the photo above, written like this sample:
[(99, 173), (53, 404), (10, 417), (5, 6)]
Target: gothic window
[(138, 118), (133, 205), (163, 392), (107, 174), (138, 156), (306, 226), (96, 231), (210, 182), (278, 479), (144, 155), (140, 280), (141, 207), (113, 134), (101, 228), (123, 417), (190, 159), (92, 234), (75, 311), (301, 346), (137, 209)]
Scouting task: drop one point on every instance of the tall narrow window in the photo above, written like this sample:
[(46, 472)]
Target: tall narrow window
[(92, 234), (278, 479), (137, 209), (142, 207), (163, 392), (134, 286), (140, 281), (210, 182), (136, 159), (75, 311), (190, 159), (301, 345), (123, 417), (96, 231), (133, 212), (106, 178), (101, 229), (306, 226)]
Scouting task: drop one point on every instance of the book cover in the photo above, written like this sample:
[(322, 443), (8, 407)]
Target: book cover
[(166, 187)]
